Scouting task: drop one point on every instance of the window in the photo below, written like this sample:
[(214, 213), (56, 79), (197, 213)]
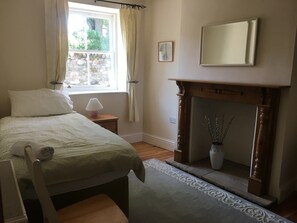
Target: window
[(93, 56)]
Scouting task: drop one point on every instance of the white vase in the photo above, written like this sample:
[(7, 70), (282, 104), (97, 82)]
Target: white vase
[(216, 154)]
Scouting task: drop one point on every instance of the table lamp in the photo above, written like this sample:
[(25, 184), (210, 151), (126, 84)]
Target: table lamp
[(93, 107)]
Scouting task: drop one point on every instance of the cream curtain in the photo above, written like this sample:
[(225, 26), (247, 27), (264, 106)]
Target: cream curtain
[(56, 37), (129, 26)]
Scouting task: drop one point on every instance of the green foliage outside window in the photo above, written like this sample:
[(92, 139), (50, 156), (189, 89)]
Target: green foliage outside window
[(97, 41), (79, 44), (97, 36)]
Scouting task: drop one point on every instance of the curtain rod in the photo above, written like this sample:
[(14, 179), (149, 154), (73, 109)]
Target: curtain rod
[(121, 3)]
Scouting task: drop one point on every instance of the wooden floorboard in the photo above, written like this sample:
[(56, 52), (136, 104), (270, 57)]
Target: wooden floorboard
[(287, 209), (147, 151)]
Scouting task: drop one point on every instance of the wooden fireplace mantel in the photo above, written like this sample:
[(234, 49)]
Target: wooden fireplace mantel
[(266, 99)]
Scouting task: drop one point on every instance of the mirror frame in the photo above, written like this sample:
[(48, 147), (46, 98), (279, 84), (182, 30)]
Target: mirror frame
[(252, 38)]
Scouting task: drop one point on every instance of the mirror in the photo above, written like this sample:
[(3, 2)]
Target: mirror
[(229, 44)]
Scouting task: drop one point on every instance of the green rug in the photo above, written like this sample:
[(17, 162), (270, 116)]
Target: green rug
[(171, 195)]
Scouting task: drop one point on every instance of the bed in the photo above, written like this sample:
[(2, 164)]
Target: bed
[(85, 154)]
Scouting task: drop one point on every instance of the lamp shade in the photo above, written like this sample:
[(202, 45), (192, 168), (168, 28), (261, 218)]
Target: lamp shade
[(94, 105)]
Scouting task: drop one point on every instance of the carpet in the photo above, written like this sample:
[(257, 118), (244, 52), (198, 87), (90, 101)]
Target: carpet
[(171, 195)]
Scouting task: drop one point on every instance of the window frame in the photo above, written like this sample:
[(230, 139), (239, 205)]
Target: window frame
[(115, 50)]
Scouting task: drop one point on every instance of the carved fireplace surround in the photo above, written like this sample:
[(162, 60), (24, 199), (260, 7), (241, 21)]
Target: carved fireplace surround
[(266, 99)]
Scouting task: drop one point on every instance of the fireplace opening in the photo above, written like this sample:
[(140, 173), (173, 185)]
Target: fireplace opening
[(238, 146), (249, 144), (238, 143)]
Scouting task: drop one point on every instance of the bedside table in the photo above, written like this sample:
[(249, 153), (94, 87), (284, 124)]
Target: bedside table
[(109, 122)]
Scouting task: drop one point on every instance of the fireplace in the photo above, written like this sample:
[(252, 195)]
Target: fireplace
[(266, 100)]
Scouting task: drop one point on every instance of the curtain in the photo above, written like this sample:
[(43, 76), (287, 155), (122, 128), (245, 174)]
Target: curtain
[(56, 37), (129, 18)]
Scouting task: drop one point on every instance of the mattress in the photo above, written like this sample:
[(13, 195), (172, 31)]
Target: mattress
[(85, 152)]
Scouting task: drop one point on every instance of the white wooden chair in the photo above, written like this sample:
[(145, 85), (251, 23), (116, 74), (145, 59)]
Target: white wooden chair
[(100, 208)]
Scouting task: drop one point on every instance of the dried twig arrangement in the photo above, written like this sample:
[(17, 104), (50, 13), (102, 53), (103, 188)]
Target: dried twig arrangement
[(216, 128)]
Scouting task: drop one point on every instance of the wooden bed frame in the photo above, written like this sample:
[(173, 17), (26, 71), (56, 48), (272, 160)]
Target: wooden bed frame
[(118, 190)]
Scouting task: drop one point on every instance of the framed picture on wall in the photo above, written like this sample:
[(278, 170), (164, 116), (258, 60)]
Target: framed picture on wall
[(165, 51)]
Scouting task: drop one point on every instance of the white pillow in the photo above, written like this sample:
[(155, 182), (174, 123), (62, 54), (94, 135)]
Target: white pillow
[(39, 102)]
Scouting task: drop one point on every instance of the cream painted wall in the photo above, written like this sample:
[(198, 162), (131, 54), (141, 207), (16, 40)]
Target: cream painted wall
[(22, 63), (116, 104), (274, 64), (275, 45), (288, 174), (162, 19), (22, 51)]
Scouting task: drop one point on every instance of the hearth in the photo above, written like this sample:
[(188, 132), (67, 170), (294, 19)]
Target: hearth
[(266, 100)]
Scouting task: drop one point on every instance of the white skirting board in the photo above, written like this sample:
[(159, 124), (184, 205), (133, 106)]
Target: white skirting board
[(132, 138), (159, 141), (151, 139)]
